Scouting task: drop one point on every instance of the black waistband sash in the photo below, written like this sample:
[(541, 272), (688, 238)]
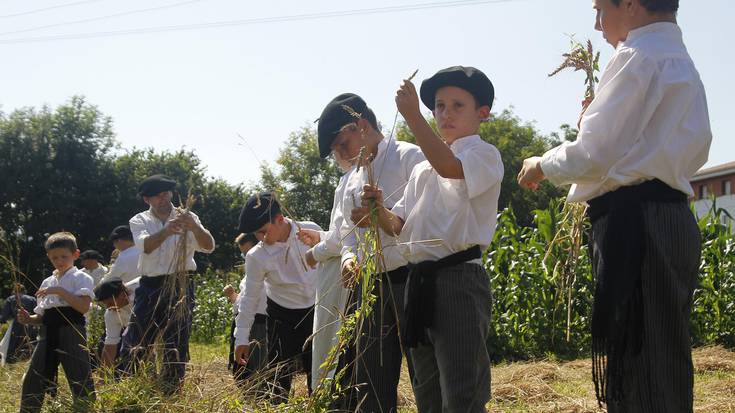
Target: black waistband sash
[(421, 293), (53, 319), (617, 314)]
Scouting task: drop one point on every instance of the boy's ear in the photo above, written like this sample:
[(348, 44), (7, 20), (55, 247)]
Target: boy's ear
[(364, 125), (76, 254), (484, 112)]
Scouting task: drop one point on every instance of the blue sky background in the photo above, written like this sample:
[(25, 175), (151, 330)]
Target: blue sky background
[(200, 88)]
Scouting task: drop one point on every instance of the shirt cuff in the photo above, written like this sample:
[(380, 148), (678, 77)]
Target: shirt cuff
[(548, 166), (242, 336)]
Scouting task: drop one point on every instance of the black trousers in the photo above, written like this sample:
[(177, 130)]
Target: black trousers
[(660, 378), (73, 356), (157, 312), (288, 330)]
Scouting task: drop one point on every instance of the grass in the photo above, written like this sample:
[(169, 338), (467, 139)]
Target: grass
[(541, 386)]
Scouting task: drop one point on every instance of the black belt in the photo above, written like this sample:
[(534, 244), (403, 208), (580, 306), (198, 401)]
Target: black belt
[(292, 316), (617, 313), (421, 293), (53, 319), (156, 281)]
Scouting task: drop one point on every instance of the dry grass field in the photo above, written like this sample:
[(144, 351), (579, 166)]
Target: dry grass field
[(542, 386)]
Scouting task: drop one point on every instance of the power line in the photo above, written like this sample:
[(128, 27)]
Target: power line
[(109, 16), (60, 6), (258, 20)]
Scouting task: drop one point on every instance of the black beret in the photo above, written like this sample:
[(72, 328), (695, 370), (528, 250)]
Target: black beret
[(334, 117), (121, 232), (108, 288), (91, 255), (155, 184), (465, 77), (258, 211)]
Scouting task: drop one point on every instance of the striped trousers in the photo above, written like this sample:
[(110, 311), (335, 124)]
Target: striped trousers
[(660, 378), (452, 372)]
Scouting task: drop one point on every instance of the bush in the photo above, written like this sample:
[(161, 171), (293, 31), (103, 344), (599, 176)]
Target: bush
[(212, 313)]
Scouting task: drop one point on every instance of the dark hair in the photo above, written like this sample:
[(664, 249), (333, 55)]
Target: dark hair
[(61, 240), (243, 238), (656, 6), (369, 115)]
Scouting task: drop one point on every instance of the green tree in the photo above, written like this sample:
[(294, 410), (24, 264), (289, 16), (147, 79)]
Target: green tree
[(305, 183), (53, 177)]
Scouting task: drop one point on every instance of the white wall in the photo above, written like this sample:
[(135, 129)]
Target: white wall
[(727, 202)]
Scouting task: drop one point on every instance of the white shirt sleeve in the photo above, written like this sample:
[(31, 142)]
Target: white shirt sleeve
[(249, 299), (482, 169), (614, 121), (84, 285), (192, 241), (140, 233)]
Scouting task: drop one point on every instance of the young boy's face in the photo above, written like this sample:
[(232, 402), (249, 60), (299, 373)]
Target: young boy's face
[(457, 114), (62, 258), (271, 232), (90, 264), (611, 20), (116, 303), (348, 142)]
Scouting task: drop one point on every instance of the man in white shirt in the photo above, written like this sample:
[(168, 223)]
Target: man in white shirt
[(379, 365), (158, 310), (640, 141), (92, 265), (277, 265), (117, 297), (126, 264)]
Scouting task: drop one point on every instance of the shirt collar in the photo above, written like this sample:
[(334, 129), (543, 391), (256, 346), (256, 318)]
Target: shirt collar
[(73, 269), (170, 216), (461, 144), (658, 27)]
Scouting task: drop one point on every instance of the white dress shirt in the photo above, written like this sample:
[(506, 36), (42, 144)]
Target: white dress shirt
[(97, 274), (116, 321), (648, 120), (74, 280), (126, 265), (282, 270), (162, 260), (262, 303), (392, 168), (453, 214), (330, 244)]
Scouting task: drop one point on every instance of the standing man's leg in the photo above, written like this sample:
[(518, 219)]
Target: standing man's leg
[(661, 377), (141, 330), (379, 364), (176, 332)]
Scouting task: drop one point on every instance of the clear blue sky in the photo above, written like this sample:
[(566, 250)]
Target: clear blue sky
[(200, 88)]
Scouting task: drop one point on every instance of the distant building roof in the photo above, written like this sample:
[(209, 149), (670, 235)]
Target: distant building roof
[(715, 171)]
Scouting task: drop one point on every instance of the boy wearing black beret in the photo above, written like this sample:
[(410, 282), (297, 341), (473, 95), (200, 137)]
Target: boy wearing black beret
[(277, 266), (117, 297), (346, 126), (451, 199), (92, 264)]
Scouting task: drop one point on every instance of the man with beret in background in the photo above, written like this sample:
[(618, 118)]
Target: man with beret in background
[(277, 264), (157, 310)]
